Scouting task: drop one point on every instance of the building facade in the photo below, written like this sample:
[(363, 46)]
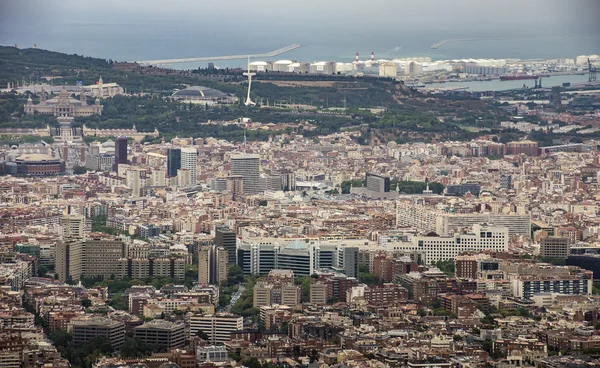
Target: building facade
[(189, 157), (248, 167), (218, 327)]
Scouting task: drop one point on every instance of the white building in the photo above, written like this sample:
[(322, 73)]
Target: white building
[(388, 69), (189, 156), (480, 238), (282, 65), (103, 90), (217, 327), (259, 66)]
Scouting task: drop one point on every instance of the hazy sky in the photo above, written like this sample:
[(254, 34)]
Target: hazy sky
[(573, 16), (134, 29)]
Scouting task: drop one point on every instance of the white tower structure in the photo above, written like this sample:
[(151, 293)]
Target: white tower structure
[(249, 74)]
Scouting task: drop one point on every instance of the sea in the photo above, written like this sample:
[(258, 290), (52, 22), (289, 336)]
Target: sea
[(139, 37)]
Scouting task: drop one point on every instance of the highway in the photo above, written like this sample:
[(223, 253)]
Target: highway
[(226, 57)]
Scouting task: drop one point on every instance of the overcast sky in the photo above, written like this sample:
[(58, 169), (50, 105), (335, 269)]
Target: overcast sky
[(574, 16), (332, 29)]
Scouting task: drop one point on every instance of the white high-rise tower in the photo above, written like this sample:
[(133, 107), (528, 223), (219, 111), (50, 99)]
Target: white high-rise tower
[(189, 162), (249, 74)]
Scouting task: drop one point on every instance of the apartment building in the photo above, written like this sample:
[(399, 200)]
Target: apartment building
[(97, 257), (481, 237), (161, 333), (212, 265), (218, 327), (266, 294), (139, 268), (427, 219), (555, 247), (258, 257), (83, 330), (526, 286)]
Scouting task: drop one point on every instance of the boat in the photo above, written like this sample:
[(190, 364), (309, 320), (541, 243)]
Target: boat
[(517, 77)]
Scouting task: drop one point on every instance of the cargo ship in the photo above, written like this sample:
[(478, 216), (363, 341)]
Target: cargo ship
[(517, 77)]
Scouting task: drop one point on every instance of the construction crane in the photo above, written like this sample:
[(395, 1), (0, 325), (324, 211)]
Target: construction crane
[(592, 70)]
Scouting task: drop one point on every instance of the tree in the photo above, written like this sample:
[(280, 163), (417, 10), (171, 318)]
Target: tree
[(446, 266), (235, 275), (86, 303), (42, 271), (304, 282), (367, 278), (284, 327), (133, 347), (201, 334), (78, 170)]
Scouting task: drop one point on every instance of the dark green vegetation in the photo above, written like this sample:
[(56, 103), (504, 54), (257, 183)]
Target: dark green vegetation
[(81, 355), (304, 282), (446, 266), (85, 355), (244, 306), (235, 276), (366, 277), (99, 225), (409, 116), (117, 287), (22, 139)]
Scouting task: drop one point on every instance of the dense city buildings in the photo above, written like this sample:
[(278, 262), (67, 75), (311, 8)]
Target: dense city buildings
[(364, 214)]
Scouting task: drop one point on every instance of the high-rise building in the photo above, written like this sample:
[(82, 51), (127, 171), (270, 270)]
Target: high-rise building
[(91, 257), (377, 183), (101, 257), (235, 184), (158, 178), (69, 260), (348, 261), (288, 180), (428, 219), (120, 152), (136, 179), (212, 265), (481, 237), (227, 239), (173, 161), (248, 166), (100, 162), (189, 157), (72, 226), (270, 182)]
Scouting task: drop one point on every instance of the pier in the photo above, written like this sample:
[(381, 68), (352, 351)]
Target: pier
[(225, 57)]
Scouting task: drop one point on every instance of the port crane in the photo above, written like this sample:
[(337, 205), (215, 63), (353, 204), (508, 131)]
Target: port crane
[(592, 71)]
